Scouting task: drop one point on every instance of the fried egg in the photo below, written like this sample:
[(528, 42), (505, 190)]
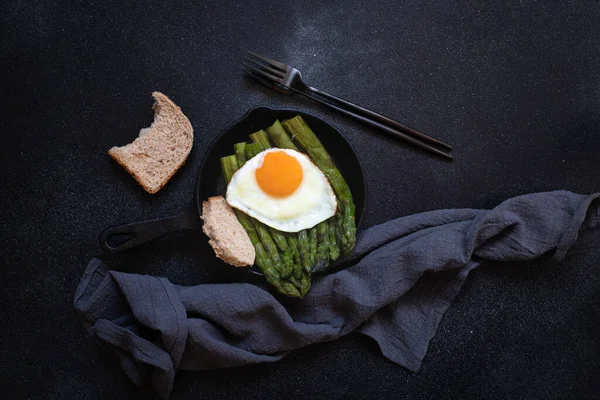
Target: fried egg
[(283, 189)]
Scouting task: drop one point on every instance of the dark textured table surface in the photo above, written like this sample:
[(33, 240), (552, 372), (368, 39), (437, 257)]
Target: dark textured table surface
[(513, 86)]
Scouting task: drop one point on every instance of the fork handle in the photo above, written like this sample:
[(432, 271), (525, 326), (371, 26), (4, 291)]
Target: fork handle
[(379, 118), (374, 124)]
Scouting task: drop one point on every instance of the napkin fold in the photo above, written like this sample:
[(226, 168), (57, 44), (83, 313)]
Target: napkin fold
[(405, 274)]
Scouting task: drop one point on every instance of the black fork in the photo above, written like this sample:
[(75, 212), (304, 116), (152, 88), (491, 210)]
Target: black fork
[(288, 80)]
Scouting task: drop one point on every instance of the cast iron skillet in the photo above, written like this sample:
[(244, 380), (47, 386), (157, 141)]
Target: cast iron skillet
[(210, 180)]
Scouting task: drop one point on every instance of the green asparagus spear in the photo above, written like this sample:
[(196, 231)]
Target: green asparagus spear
[(240, 153), (313, 233), (339, 228), (287, 255), (292, 239), (301, 275), (263, 260), (252, 149), (313, 241), (307, 140), (334, 250), (304, 284), (229, 165), (323, 244), (279, 136), (304, 248), (261, 138), (267, 242), (306, 259)]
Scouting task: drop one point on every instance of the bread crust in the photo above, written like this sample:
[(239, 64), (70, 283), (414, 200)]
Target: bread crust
[(147, 165), (226, 235)]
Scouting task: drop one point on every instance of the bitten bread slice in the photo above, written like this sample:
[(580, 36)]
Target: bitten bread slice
[(227, 237), (160, 150)]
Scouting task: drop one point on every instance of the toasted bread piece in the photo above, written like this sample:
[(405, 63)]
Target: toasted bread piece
[(160, 150), (227, 237)]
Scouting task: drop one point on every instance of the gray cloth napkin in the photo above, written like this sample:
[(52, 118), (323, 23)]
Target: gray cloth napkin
[(406, 273)]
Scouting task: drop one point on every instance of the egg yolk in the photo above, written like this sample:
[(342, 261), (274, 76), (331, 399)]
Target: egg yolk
[(279, 175)]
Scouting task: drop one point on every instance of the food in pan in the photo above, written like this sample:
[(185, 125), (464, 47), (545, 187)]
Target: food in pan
[(228, 238), (283, 189), (291, 241), (160, 150)]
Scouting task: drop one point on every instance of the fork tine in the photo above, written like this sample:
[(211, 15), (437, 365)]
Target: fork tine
[(270, 84), (263, 66), (265, 82), (262, 73), (273, 63)]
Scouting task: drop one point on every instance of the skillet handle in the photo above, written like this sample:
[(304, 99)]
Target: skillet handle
[(142, 232)]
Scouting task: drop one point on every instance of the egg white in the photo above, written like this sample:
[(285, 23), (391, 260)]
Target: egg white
[(312, 202)]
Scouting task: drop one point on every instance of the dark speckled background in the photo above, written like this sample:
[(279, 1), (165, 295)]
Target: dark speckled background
[(514, 86)]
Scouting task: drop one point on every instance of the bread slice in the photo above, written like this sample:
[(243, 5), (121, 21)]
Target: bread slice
[(160, 150), (227, 237)]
